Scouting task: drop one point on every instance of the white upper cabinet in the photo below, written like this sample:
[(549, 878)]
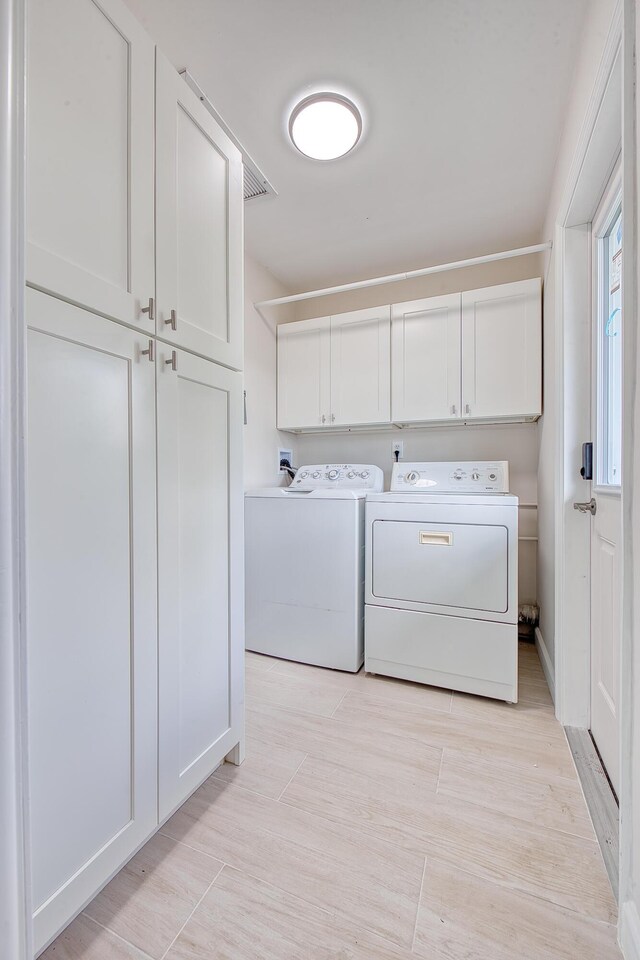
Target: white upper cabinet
[(200, 570), (198, 225), (360, 367), (90, 137), (304, 359), (502, 351), (92, 642), (425, 364)]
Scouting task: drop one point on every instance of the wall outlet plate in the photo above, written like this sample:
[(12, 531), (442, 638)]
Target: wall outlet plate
[(284, 455), (397, 447)]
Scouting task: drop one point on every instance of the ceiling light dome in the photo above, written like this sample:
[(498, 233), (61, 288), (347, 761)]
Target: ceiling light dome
[(325, 126)]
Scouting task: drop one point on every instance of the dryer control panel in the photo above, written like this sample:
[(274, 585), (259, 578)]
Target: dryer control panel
[(344, 476), (469, 476)]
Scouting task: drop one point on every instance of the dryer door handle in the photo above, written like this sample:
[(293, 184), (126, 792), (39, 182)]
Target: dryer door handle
[(435, 538)]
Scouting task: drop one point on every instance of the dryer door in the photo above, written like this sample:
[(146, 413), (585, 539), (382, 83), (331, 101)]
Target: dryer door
[(456, 565)]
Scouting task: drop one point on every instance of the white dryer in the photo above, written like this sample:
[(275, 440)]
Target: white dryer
[(305, 565), (442, 578)]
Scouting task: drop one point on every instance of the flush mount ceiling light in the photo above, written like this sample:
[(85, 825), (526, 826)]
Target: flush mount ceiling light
[(325, 126)]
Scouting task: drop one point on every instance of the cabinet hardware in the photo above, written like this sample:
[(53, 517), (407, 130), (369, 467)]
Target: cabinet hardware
[(453, 410), (173, 360), (323, 420), (150, 351), (589, 507), (150, 309), (333, 418), (173, 320), (467, 408)]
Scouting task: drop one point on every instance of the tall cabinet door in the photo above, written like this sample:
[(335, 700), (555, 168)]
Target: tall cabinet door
[(360, 367), (199, 243), (200, 570), (90, 71), (502, 350), (91, 647), (304, 374), (425, 359)]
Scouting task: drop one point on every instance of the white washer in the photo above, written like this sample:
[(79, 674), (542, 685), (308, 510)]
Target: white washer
[(442, 578), (305, 565)]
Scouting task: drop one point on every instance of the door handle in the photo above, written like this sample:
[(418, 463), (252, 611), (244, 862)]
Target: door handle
[(588, 507)]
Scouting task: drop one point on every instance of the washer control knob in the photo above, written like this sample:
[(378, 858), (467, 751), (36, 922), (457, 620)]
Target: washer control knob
[(412, 477), (316, 475), (333, 474), (304, 474), (365, 474)]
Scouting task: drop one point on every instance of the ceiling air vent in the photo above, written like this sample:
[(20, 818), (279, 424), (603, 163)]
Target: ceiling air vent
[(255, 182)]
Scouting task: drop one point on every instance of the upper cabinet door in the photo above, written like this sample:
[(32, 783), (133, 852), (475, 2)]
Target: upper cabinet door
[(199, 216), (92, 639), (90, 157), (304, 374), (425, 357), (501, 351), (200, 570), (360, 367)]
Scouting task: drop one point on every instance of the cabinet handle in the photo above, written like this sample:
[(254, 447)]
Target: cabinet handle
[(323, 419), (173, 360), (173, 320), (467, 408), (333, 418), (453, 410), (150, 309), (150, 351)]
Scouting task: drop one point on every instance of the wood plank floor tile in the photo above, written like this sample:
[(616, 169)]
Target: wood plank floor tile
[(296, 693), (243, 918), (526, 794), (373, 884), (257, 662), (545, 749), (524, 715), (359, 748), (563, 868), (85, 940), (267, 768), (462, 916), (149, 900), (534, 689)]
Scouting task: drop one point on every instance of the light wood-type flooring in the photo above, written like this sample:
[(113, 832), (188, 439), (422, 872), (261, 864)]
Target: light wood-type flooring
[(372, 820)]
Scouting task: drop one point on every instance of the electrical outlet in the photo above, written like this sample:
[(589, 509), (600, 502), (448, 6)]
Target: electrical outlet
[(284, 455), (397, 449)]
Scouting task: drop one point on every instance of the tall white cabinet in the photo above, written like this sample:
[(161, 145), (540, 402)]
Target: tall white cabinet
[(134, 513)]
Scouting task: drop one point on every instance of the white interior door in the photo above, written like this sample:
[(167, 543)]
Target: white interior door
[(361, 366), (304, 374), (90, 95), (425, 359), (199, 213), (91, 603), (606, 584), (200, 570)]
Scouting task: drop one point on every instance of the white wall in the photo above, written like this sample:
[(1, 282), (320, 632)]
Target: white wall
[(596, 29), (261, 439), (517, 443)]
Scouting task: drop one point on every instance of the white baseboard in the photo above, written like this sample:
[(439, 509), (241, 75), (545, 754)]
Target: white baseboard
[(629, 931), (547, 664)]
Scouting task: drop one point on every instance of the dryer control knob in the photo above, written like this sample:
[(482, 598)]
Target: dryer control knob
[(412, 477), (350, 475), (333, 474), (475, 475)]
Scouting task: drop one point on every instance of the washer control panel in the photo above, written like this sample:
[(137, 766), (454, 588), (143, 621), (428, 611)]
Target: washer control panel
[(347, 476), (470, 476)]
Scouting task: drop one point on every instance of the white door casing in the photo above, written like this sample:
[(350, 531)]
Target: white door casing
[(502, 331), (425, 359), (361, 367), (90, 208), (199, 217), (200, 570), (91, 603), (304, 373)]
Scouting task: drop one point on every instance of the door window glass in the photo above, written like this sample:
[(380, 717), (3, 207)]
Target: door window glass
[(609, 345)]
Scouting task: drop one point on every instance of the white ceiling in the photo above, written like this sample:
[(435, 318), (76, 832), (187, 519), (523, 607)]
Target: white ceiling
[(463, 102)]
